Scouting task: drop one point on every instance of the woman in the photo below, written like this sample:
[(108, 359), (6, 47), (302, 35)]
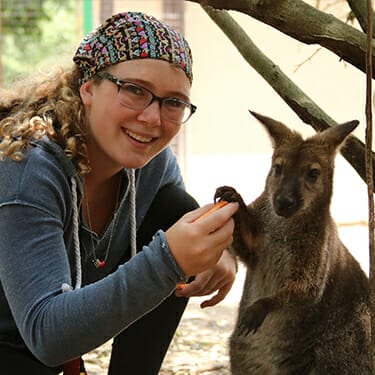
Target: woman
[(86, 180)]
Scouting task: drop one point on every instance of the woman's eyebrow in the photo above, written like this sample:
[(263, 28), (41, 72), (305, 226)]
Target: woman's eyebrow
[(150, 86)]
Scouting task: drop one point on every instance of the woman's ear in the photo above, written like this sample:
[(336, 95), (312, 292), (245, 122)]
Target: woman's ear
[(86, 92)]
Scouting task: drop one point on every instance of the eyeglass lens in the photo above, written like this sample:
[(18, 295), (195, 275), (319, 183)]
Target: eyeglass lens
[(136, 97)]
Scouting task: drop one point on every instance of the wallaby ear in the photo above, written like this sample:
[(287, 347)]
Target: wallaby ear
[(278, 131), (336, 135)]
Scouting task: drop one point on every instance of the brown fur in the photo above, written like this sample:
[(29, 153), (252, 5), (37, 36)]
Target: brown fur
[(304, 307)]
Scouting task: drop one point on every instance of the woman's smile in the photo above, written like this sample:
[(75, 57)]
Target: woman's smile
[(138, 137)]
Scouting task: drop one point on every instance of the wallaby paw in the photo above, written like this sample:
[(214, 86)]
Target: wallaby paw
[(229, 194), (254, 317)]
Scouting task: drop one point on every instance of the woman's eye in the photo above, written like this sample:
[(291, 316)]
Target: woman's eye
[(174, 103), (128, 88)]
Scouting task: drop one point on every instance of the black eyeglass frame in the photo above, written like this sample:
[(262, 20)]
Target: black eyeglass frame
[(119, 83)]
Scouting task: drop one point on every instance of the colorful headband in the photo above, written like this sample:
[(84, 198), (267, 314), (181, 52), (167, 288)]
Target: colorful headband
[(128, 36)]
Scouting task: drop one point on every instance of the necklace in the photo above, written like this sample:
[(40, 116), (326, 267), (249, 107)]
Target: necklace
[(100, 263)]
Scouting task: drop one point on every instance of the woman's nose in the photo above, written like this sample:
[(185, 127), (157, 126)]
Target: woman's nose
[(151, 114)]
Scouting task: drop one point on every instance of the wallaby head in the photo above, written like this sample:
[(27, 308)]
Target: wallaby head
[(301, 175)]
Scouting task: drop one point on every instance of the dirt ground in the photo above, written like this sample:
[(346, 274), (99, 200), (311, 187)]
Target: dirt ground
[(200, 346), (201, 343)]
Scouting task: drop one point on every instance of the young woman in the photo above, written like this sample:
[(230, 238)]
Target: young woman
[(86, 181)]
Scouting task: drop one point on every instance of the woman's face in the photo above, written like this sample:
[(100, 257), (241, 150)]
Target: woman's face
[(120, 137)]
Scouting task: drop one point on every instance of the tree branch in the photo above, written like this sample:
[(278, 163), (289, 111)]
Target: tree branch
[(359, 8), (370, 170), (302, 105), (303, 23)]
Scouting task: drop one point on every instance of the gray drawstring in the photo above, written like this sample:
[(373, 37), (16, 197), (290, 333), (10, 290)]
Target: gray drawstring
[(77, 251), (133, 218)]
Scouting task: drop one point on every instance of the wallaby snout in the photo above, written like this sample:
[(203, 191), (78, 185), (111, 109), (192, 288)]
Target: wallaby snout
[(286, 204)]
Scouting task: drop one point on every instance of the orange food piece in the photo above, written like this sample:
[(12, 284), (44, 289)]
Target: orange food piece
[(218, 205), (214, 208), (181, 286)]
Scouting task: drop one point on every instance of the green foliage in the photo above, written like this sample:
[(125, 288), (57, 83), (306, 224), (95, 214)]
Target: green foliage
[(22, 17), (37, 35)]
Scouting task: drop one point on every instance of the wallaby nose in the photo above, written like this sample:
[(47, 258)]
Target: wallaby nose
[(285, 205)]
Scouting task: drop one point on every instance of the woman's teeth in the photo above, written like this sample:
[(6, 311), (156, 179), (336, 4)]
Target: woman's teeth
[(138, 137)]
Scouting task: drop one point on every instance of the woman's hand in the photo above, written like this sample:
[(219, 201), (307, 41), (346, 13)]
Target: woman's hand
[(219, 278), (197, 245)]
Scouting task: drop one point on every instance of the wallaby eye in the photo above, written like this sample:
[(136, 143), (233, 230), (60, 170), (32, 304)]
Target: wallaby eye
[(277, 169), (313, 174)]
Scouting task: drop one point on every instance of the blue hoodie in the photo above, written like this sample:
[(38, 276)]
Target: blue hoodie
[(37, 258)]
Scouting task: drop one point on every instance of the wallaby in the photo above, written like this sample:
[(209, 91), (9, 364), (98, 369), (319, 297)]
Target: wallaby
[(305, 303)]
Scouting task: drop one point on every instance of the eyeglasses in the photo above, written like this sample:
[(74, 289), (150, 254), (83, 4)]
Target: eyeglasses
[(137, 97)]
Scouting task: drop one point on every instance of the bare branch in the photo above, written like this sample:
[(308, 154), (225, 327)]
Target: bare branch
[(307, 59), (302, 105), (305, 24), (359, 9), (370, 169)]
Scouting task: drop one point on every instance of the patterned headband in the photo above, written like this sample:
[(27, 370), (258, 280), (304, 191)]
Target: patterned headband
[(128, 36)]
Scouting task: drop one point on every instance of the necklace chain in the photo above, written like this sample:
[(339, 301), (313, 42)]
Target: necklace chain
[(98, 263)]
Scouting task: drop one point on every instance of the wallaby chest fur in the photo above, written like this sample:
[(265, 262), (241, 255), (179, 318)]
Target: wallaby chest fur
[(304, 307)]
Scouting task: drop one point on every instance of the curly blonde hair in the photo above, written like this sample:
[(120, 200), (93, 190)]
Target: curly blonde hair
[(46, 106)]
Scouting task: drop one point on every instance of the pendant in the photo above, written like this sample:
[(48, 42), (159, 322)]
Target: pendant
[(74, 367), (98, 263)]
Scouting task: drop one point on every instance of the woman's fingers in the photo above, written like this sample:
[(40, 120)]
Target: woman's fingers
[(198, 244)]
